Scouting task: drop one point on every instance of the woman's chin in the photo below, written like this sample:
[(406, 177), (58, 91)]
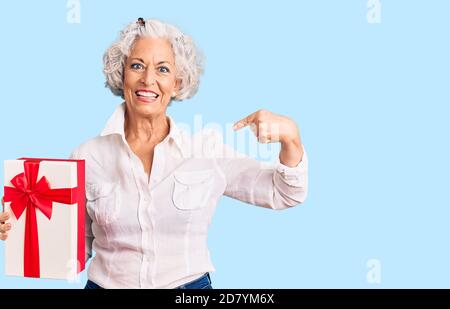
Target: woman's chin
[(148, 108)]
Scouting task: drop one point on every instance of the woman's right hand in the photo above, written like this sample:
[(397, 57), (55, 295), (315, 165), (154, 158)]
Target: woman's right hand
[(4, 226)]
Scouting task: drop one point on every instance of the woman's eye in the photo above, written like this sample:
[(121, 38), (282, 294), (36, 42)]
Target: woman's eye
[(137, 66), (164, 70)]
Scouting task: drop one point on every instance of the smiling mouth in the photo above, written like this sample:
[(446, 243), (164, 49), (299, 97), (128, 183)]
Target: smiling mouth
[(147, 94)]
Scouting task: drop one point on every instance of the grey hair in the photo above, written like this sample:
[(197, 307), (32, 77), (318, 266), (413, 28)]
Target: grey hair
[(188, 59)]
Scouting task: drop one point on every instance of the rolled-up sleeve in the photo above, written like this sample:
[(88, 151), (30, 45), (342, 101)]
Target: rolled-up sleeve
[(89, 237), (270, 185)]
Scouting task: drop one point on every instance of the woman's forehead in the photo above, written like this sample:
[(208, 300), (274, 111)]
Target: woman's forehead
[(152, 49)]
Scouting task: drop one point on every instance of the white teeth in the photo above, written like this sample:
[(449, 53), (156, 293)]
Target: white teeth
[(147, 94)]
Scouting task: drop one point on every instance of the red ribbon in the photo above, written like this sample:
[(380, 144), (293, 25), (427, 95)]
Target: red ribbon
[(29, 194)]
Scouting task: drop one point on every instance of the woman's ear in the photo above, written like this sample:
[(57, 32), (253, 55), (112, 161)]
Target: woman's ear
[(177, 87)]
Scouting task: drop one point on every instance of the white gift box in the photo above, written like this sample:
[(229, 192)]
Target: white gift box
[(59, 244)]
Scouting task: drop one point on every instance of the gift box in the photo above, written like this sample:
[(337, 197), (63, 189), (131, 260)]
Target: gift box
[(46, 200)]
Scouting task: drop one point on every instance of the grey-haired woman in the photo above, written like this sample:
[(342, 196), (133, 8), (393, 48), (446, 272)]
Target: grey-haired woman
[(150, 192)]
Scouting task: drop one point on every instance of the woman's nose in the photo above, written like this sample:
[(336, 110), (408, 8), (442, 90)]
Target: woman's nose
[(148, 78)]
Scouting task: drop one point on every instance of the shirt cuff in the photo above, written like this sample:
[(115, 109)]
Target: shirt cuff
[(292, 175)]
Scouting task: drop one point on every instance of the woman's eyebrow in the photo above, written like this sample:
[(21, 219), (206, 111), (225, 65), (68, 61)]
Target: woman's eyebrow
[(139, 59), (161, 62)]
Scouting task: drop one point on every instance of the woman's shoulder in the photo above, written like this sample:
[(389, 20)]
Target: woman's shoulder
[(95, 146)]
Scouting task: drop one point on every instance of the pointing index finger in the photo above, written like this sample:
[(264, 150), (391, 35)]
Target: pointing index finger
[(244, 122)]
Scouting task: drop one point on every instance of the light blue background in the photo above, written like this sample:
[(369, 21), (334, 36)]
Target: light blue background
[(371, 101)]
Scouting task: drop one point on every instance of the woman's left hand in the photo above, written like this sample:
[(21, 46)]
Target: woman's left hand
[(270, 128)]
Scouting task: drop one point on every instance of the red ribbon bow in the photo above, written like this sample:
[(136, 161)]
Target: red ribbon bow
[(29, 194)]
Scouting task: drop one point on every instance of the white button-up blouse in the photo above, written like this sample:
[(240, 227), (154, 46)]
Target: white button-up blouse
[(151, 232)]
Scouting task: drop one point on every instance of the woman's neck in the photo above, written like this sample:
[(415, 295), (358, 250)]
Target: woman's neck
[(146, 129)]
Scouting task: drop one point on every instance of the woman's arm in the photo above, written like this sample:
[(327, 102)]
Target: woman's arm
[(277, 186)]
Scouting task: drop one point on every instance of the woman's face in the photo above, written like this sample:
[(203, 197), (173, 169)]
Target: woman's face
[(149, 76)]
